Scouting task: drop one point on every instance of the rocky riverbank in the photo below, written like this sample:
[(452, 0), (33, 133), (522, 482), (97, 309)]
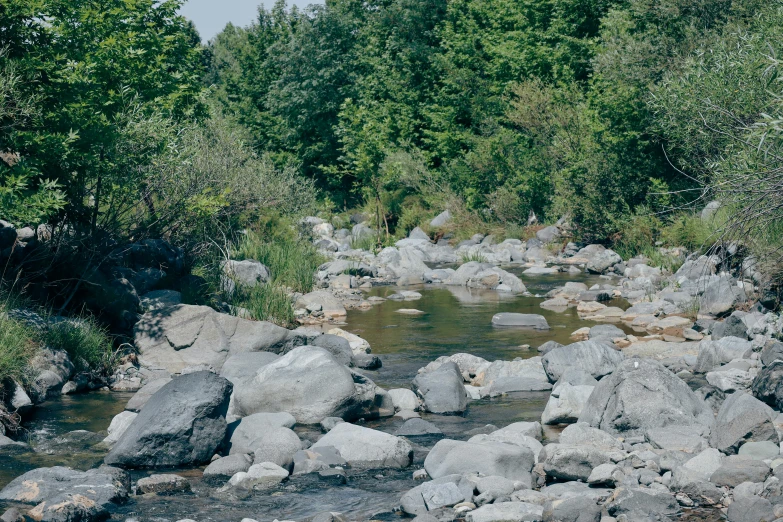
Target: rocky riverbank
[(665, 406)]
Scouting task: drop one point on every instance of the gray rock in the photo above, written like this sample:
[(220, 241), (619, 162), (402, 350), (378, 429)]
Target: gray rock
[(635, 501), (442, 390), (164, 484), (736, 469), (339, 347), (248, 272), (224, 468), (119, 424), (548, 346), (441, 219), (308, 383), (404, 399), (63, 494), (574, 509), (366, 361), (180, 336), (605, 331), (715, 353), (317, 459), (767, 386), (277, 445), (141, 397), (443, 489), (449, 457), (694, 269), (11, 447), (330, 305), (182, 424), (721, 296), (364, 448), (678, 438), (772, 352), (760, 450), (640, 395), (243, 434), (263, 476), (537, 322), (566, 403), (564, 462), (581, 433), (742, 418), (731, 327), (751, 509), (602, 260), (160, 299), (417, 428), (593, 357), (606, 474), (506, 512)]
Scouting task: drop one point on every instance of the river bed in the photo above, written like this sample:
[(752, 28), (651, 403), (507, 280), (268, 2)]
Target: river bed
[(455, 320)]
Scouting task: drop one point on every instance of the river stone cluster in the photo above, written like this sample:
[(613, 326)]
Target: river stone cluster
[(681, 414)]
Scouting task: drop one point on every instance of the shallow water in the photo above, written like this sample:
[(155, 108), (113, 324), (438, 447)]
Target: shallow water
[(455, 320)]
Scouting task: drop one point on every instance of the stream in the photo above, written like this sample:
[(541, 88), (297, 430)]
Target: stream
[(455, 319)]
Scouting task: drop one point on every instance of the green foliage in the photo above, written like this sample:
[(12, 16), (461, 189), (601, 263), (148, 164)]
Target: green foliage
[(17, 348), (472, 256), (91, 68), (291, 261), (87, 343), (266, 302)]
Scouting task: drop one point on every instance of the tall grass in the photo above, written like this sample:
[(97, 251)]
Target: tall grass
[(265, 302), (87, 343), (17, 348), (474, 255), (292, 262)]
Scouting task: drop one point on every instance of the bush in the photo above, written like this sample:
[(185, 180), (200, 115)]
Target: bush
[(87, 343), (691, 232)]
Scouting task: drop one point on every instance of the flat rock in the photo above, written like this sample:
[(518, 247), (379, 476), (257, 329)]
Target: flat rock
[(593, 357), (537, 322), (449, 457), (364, 448)]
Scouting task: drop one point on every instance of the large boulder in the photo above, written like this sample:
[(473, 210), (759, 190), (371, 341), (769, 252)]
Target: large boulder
[(307, 382), (450, 457), (442, 390), (602, 260), (62, 494), (181, 425), (742, 418), (716, 353), (364, 448), (405, 261), (720, 296), (642, 394), (180, 336), (594, 357)]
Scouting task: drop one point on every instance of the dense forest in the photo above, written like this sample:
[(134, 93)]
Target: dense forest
[(623, 117)]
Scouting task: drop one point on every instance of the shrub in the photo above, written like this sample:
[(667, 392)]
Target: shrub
[(475, 255), (87, 343)]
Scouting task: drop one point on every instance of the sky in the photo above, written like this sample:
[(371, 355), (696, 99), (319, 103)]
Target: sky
[(211, 16)]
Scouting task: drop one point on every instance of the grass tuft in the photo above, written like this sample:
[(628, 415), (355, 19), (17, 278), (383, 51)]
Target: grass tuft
[(87, 343), (467, 257)]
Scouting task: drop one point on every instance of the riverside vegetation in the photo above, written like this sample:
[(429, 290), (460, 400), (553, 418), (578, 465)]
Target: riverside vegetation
[(205, 225)]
